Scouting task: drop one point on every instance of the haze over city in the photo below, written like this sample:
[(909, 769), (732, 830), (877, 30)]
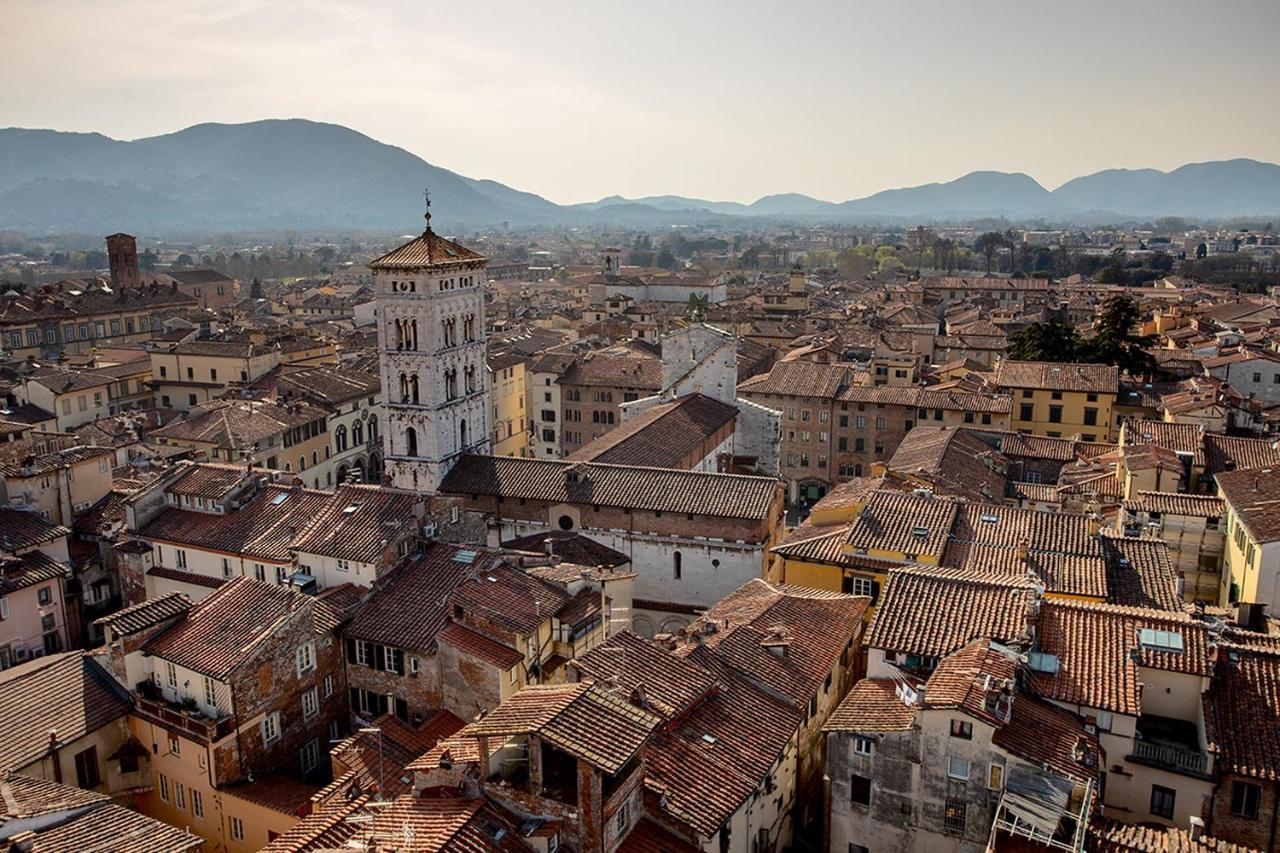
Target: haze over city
[(576, 101)]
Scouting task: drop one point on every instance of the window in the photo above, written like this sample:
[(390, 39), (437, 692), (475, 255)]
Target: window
[(863, 746), (44, 596), (179, 795), (164, 787), (958, 768), (181, 558), (1245, 797), (171, 674), (995, 777), (237, 829), (197, 803), (1162, 801), (328, 686), (87, 769), (175, 746), (623, 818), (271, 728), (1026, 412), (309, 756), (1090, 417), (953, 817), (676, 560), (859, 790), (1055, 414), (210, 698), (310, 704), (962, 729), (363, 653), (226, 567), (306, 658)]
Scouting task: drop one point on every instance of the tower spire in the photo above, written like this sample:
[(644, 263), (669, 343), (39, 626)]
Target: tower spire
[(426, 198)]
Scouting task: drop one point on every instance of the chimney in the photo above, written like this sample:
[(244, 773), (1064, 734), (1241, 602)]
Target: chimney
[(1024, 546), (1093, 524), (53, 756)]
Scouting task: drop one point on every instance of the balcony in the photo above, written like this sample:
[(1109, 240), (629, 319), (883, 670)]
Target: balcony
[(190, 724), (1169, 744)]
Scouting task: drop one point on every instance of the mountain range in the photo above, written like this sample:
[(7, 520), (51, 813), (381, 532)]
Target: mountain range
[(305, 175)]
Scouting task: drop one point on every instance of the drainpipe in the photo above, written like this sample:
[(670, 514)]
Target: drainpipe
[(53, 755)]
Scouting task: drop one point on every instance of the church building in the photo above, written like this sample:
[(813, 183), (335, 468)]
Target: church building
[(431, 344)]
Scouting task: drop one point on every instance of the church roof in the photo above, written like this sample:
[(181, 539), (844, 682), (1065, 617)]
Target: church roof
[(427, 250)]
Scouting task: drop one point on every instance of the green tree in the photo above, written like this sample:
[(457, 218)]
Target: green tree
[(1113, 273), (255, 289), (1046, 340), (989, 245), (666, 259), (1114, 341)]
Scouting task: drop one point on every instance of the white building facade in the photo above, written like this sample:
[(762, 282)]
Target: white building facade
[(431, 344)]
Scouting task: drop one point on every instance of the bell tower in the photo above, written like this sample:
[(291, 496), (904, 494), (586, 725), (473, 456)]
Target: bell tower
[(431, 350)]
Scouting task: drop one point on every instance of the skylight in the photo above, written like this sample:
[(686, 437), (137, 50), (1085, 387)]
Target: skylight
[(989, 518), (1161, 641), (1043, 662), (920, 532), (464, 557), (279, 499)]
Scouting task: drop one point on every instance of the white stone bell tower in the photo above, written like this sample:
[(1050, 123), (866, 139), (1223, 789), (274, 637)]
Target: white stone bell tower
[(431, 347)]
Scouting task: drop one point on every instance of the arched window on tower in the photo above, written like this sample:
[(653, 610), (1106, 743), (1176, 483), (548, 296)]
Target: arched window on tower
[(411, 442), (373, 429), (413, 385), (399, 333), (404, 388), (462, 434), (415, 334), (676, 564)]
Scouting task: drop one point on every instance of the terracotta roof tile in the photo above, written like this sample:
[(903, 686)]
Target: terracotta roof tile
[(656, 489), (1242, 713), (428, 249), (872, 705), (663, 436)]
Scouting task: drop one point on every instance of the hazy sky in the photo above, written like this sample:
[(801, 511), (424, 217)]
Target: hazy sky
[(726, 100)]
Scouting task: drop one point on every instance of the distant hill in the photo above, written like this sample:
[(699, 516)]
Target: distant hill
[(1219, 189), (298, 174), (976, 194), (266, 174)]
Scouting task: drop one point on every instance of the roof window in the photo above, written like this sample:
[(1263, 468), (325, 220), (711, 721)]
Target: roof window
[(1043, 662), (1161, 641)]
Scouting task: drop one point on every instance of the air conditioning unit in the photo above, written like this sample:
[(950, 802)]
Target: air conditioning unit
[(19, 653)]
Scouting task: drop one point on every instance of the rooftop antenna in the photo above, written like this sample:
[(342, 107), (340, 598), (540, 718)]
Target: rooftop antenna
[(426, 198)]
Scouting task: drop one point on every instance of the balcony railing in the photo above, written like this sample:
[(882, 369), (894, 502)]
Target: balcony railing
[(1173, 757), (192, 724)]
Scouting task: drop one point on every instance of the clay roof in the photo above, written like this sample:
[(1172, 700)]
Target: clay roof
[(648, 837), (964, 678), (956, 461), (1236, 453), (239, 424), (663, 436), (479, 646), (208, 480), (1058, 376), (571, 546), (1045, 734), (72, 694), (903, 522), (230, 627), (264, 528), (327, 827), (1099, 653), (872, 705), (1044, 447), (813, 628), (141, 616), (1177, 503), (115, 829), (671, 684), (1254, 498), (503, 596), (656, 489), (455, 825), (583, 719), (801, 379), (931, 614), (609, 370), (1107, 835), (1242, 713), (21, 529), (411, 606), (356, 521), (428, 249)]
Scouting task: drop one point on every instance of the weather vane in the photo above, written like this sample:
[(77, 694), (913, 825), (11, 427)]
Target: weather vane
[(426, 197)]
